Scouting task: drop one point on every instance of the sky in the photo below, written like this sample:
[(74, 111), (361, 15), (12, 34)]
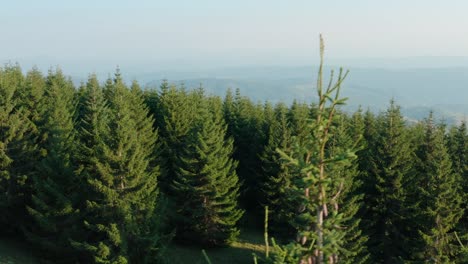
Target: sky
[(190, 34)]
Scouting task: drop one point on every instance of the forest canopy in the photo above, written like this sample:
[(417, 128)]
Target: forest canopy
[(108, 172)]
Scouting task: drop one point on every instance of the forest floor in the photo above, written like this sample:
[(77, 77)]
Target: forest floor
[(13, 252), (250, 242)]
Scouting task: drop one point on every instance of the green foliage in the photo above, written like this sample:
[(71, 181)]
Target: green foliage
[(346, 135), (175, 115), (388, 211), (276, 175), (117, 146), (439, 197), (206, 186), (319, 220), (457, 144), (249, 242), (299, 117), (463, 256), (80, 176), (17, 149), (54, 206), (245, 122)]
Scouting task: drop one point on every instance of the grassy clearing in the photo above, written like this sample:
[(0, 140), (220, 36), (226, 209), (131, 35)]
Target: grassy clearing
[(250, 241), (12, 252)]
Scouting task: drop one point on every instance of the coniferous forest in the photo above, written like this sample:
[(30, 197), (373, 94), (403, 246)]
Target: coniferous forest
[(110, 172)]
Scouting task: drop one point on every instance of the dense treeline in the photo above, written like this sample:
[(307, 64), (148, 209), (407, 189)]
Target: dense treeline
[(112, 173)]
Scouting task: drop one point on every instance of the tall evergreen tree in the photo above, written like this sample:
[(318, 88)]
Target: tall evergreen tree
[(457, 144), (99, 241), (175, 117), (229, 111), (206, 185), (366, 155), (16, 149), (277, 178), (439, 197), (152, 100), (55, 197), (245, 122), (319, 219), (300, 116), (31, 93), (268, 119), (387, 208), (117, 140), (347, 134)]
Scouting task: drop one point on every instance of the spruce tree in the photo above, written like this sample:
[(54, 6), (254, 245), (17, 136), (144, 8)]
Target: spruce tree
[(439, 197), (151, 96), (55, 196), (276, 176), (457, 144), (93, 127), (117, 140), (175, 116), (31, 93), (245, 125), (268, 118), (30, 96), (347, 134), (366, 155), (388, 210), (319, 219), (17, 149), (299, 117), (229, 111), (206, 186)]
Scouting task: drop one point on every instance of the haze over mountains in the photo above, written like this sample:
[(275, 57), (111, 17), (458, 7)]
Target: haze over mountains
[(418, 88), (418, 84)]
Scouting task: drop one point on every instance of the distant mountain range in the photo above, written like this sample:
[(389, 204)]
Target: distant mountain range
[(417, 90), (418, 84)]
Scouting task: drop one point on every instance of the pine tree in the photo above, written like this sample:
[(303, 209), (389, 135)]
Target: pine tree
[(300, 116), (16, 150), (319, 220), (102, 239), (93, 127), (206, 186), (457, 144), (55, 196), (81, 97), (175, 116), (366, 156), (29, 96), (387, 208), (347, 134), (229, 111), (245, 125), (31, 93), (269, 117), (439, 197), (117, 140), (152, 100), (276, 178)]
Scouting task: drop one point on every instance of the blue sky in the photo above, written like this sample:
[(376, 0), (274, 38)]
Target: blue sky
[(208, 33)]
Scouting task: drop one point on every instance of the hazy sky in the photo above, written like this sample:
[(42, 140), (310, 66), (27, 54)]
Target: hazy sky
[(174, 33)]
